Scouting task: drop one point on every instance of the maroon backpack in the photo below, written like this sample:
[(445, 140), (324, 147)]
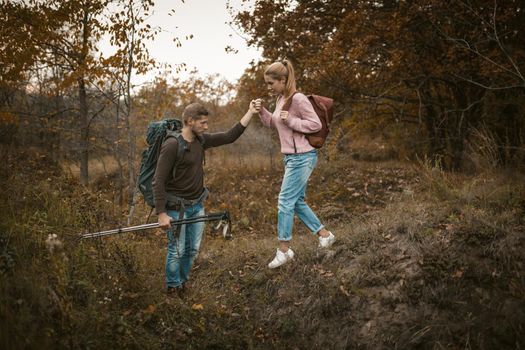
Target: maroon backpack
[(324, 108)]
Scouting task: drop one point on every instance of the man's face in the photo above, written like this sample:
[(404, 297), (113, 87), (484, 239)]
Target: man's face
[(199, 126)]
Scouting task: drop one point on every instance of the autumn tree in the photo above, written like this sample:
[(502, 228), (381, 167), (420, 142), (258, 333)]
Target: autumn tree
[(398, 63), (65, 36), (62, 34), (165, 98), (18, 56), (129, 33)]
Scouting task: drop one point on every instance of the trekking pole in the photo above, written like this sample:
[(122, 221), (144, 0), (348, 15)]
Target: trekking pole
[(222, 217)]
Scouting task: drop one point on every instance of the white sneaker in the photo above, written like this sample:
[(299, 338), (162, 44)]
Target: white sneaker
[(281, 258), (325, 242)]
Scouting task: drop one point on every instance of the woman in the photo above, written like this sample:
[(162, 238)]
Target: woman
[(300, 157)]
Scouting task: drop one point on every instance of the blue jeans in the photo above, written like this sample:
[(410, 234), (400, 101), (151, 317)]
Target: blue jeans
[(182, 250), (297, 170)]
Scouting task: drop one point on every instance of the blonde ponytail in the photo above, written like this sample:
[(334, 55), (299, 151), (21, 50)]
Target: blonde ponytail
[(284, 69)]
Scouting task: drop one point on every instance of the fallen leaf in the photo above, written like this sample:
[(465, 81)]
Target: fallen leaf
[(197, 307), (458, 273), (150, 309)]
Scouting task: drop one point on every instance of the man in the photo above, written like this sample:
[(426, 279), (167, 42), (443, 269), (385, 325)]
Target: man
[(178, 187)]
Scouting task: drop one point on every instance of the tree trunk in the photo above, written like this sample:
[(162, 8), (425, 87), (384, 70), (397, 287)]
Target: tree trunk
[(128, 100), (82, 99), (131, 160), (118, 153), (84, 131), (430, 121)]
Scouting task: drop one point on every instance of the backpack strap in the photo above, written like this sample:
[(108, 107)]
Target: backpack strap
[(182, 203), (202, 141), (286, 107), (288, 102), (182, 145), (181, 148), (182, 142)]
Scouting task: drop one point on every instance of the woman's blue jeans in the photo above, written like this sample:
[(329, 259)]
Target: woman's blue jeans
[(297, 170), (183, 250)]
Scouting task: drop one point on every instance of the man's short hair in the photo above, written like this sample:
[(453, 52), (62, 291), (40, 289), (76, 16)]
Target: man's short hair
[(194, 111)]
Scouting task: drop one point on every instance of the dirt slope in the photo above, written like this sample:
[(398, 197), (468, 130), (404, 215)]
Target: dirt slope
[(411, 268), (423, 260)]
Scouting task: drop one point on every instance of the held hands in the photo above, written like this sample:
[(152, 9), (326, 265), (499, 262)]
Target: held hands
[(164, 221), (255, 106)]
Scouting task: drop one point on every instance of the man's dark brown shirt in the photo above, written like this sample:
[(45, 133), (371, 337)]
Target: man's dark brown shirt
[(187, 181)]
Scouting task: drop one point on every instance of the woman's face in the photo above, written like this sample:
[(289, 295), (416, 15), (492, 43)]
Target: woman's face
[(276, 86)]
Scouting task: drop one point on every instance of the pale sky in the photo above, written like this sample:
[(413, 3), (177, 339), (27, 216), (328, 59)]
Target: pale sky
[(205, 19)]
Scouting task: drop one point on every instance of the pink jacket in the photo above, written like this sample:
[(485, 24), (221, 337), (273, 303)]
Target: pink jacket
[(301, 119)]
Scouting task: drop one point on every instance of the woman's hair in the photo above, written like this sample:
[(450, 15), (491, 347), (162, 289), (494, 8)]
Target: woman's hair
[(194, 111), (283, 69)]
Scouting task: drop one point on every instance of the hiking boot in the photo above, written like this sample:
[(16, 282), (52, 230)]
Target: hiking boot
[(176, 292), (325, 242), (281, 258)]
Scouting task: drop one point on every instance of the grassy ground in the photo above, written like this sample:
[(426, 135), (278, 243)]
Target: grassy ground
[(424, 260)]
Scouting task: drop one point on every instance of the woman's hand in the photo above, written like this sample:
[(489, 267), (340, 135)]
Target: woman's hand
[(284, 115)]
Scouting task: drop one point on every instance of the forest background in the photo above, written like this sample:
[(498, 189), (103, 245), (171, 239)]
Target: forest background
[(421, 177)]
